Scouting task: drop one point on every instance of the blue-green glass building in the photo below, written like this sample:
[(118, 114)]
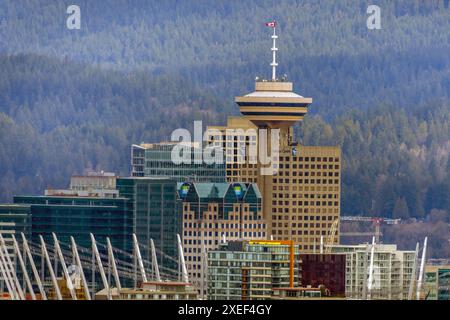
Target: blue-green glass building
[(15, 219), (145, 206), (78, 217), (153, 202), (150, 160)]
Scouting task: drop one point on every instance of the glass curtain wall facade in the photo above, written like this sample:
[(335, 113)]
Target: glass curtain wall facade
[(78, 217), (153, 202), (14, 219), (155, 160)]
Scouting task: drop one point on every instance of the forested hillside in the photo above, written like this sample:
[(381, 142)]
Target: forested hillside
[(58, 118), (325, 46), (396, 162), (77, 99)]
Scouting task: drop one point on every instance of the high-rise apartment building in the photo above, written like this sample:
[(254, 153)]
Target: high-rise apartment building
[(213, 212), (392, 271), (250, 270)]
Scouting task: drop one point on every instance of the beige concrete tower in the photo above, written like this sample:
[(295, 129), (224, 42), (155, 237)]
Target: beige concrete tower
[(273, 104), (302, 198)]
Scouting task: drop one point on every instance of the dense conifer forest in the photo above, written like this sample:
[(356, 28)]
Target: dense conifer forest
[(72, 100)]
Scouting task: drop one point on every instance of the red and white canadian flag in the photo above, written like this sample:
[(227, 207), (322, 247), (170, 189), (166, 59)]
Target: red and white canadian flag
[(272, 24)]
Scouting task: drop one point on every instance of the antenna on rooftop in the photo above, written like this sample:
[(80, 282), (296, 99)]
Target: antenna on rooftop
[(274, 49)]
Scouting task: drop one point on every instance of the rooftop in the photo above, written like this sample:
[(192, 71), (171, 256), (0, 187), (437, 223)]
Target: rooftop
[(90, 174), (273, 94), (218, 190)]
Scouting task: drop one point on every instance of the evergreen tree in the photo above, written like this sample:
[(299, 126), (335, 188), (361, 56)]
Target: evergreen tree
[(401, 210)]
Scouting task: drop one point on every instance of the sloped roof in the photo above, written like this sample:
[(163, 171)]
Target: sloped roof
[(255, 189), (211, 190), (218, 190)]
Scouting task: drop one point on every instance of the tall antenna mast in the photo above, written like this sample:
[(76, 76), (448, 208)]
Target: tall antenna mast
[(274, 49)]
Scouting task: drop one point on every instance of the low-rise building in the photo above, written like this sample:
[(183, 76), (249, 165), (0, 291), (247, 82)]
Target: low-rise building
[(154, 290), (99, 183), (303, 293)]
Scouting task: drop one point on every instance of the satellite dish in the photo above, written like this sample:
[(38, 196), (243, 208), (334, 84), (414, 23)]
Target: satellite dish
[(72, 269), (75, 275)]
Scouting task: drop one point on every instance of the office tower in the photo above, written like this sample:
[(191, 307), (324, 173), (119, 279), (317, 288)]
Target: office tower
[(155, 160), (145, 206), (302, 200), (250, 270), (78, 216), (235, 139), (142, 205), (392, 271), (212, 213), (153, 290), (153, 204), (301, 187)]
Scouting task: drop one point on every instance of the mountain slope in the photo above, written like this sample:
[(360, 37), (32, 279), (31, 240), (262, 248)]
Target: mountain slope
[(71, 100), (58, 118), (325, 46)]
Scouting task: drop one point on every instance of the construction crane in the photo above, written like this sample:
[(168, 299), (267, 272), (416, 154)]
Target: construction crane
[(331, 236), (376, 221)]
